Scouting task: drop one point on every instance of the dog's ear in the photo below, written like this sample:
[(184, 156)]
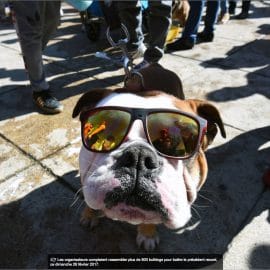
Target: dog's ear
[(90, 99), (209, 112)]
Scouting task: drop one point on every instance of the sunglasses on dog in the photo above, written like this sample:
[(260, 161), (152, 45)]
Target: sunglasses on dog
[(173, 133)]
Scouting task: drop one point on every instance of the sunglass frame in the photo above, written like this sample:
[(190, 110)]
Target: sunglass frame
[(141, 114)]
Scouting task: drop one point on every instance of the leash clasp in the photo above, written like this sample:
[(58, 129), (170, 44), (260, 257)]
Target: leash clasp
[(133, 79), (122, 44)]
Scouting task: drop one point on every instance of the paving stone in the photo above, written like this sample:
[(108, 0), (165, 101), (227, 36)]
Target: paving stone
[(19, 185), (39, 135), (11, 160), (65, 164), (34, 205), (82, 84), (16, 104), (249, 112), (12, 71), (8, 37), (235, 87), (255, 57), (251, 246), (206, 85), (182, 66), (241, 35)]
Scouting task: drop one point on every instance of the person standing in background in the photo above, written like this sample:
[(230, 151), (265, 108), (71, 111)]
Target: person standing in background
[(244, 9), (35, 22), (224, 15), (190, 36), (159, 20)]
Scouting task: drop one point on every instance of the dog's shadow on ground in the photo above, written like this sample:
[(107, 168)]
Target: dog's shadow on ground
[(46, 220)]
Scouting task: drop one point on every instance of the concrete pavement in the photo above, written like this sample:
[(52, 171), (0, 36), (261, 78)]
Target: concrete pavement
[(39, 204)]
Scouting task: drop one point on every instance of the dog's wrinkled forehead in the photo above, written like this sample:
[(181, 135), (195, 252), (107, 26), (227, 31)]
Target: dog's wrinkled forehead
[(135, 101)]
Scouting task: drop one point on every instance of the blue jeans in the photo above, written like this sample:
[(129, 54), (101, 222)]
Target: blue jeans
[(224, 6), (195, 15), (212, 8)]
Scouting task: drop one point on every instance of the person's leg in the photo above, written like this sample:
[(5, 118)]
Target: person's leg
[(246, 5), (189, 35), (232, 6), (244, 11), (29, 23), (51, 20), (223, 6), (226, 6), (224, 15), (193, 21), (212, 7), (207, 35), (159, 23), (131, 16)]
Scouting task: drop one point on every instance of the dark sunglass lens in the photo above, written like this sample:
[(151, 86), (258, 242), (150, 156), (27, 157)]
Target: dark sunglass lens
[(173, 134), (104, 130)]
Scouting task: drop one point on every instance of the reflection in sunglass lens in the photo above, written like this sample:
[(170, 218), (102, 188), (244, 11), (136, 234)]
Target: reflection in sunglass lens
[(104, 130), (173, 134)]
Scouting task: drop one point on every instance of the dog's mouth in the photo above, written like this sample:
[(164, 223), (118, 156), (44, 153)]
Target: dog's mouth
[(132, 214), (136, 203)]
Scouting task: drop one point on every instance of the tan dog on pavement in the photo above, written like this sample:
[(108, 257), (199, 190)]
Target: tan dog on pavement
[(142, 159)]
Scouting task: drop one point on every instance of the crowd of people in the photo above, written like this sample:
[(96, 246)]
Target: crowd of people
[(218, 11), (35, 22)]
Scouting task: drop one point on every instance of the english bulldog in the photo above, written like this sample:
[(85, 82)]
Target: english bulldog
[(142, 160)]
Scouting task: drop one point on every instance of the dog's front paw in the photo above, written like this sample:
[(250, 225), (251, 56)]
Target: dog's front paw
[(147, 237), (148, 243), (89, 218)]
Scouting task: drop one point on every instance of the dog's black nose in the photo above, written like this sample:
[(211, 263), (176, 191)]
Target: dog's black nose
[(137, 168), (138, 159)]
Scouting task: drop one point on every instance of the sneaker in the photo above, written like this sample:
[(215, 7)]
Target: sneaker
[(224, 18), (46, 102), (181, 44), (204, 37), (143, 64)]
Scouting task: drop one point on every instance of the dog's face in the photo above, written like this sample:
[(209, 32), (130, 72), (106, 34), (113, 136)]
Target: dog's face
[(134, 183)]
